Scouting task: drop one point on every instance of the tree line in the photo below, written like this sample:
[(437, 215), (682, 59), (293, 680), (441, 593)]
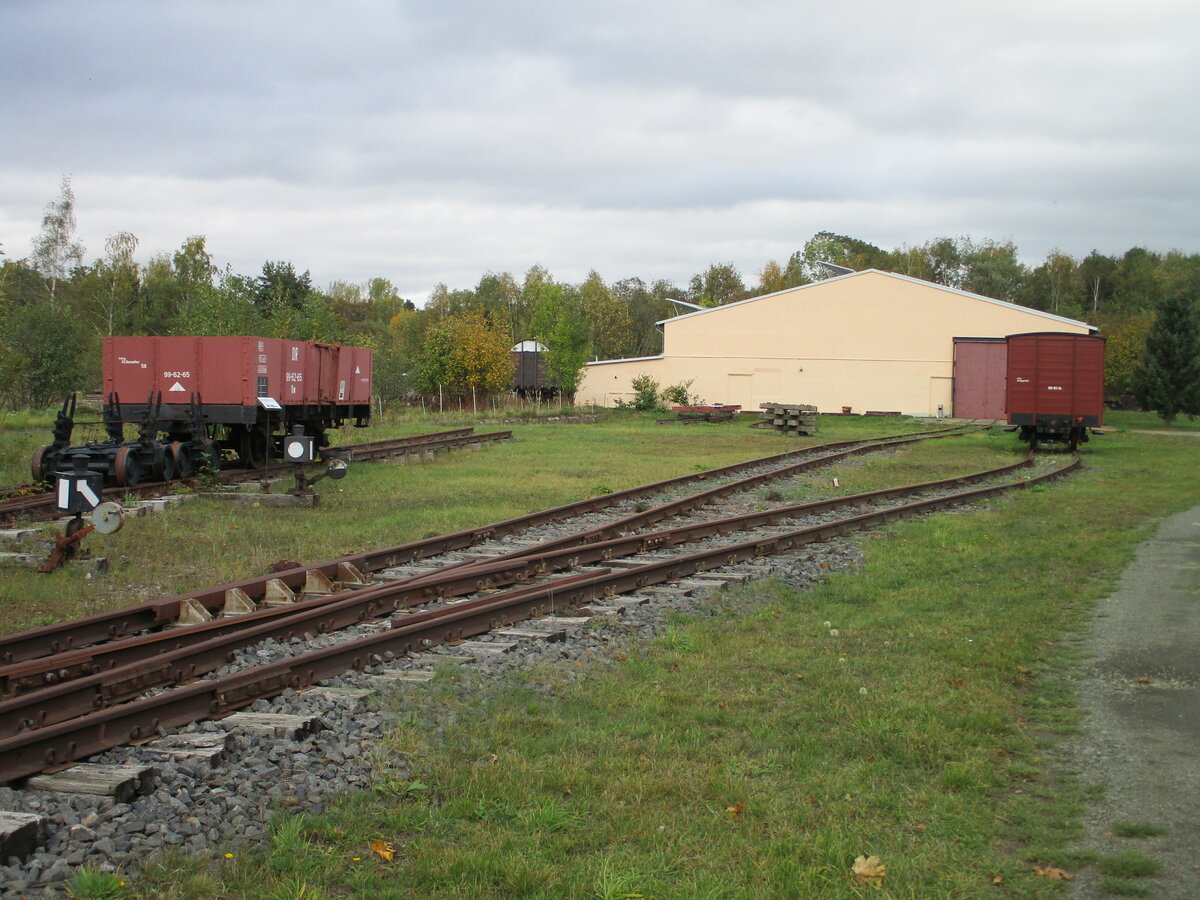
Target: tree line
[(55, 307)]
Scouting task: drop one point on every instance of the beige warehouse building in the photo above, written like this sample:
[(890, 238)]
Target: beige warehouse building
[(870, 341)]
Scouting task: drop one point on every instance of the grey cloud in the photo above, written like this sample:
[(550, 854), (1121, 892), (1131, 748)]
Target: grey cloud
[(456, 137)]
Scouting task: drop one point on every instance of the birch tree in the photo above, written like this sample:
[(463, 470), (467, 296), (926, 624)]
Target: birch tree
[(55, 249)]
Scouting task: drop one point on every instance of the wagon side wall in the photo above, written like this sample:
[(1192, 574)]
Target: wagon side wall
[(230, 374)]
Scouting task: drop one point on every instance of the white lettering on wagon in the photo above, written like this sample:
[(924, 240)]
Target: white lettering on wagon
[(126, 361)]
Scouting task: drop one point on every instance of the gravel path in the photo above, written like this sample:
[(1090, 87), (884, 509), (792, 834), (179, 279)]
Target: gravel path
[(1141, 691)]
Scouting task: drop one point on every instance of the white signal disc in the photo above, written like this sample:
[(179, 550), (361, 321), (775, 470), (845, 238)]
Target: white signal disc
[(108, 517)]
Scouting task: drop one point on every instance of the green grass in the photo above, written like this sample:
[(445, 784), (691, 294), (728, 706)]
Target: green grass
[(94, 884), (1123, 887), (1148, 420), (754, 753), (1137, 830), (1129, 864)]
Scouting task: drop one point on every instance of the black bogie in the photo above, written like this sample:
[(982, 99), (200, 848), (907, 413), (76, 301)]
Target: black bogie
[(164, 449)]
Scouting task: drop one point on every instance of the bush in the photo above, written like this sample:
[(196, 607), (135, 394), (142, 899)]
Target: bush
[(645, 396), (681, 394)]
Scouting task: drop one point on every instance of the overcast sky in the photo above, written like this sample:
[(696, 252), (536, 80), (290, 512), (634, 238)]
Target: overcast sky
[(434, 141)]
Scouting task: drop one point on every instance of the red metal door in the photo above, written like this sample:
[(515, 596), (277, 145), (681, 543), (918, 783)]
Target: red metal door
[(980, 367)]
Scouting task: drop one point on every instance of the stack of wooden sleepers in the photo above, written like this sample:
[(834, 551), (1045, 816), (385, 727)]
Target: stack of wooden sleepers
[(788, 418)]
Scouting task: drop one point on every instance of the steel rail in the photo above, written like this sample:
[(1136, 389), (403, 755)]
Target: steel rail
[(129, 668), (29, 752), (320, 615), (62, 636), (401, 442)]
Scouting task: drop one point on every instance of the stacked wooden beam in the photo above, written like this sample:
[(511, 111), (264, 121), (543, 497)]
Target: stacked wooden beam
[(690, 414), (788, 418)]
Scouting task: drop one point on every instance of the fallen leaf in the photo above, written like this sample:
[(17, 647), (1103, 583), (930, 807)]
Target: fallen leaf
[(735, 811), (1024, 672), (1054, 873), (720, 704), (998, 879), (1142, 681), (799, 677), (384, 849), (869, 870)]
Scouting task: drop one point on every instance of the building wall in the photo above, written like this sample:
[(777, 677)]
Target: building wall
[(868, 341)]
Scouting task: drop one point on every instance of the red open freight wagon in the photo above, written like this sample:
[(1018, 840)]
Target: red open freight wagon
[(249, 389)]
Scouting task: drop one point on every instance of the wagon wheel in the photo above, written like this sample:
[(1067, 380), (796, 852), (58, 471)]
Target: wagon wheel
[(165, 465), (185, 465), (38, 466), (181, 456), (127, 467), (254, 448)]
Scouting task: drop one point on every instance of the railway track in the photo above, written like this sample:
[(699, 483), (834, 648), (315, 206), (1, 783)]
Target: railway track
[(28, 503), (64, 707), (320, 578)]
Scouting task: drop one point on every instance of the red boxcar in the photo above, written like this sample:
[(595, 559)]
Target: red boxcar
[(1055, 385), (233, 381)]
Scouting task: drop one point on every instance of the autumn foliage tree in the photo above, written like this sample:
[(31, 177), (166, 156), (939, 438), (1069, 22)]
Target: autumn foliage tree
[(462, 354)]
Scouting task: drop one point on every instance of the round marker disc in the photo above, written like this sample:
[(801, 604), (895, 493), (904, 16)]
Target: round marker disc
[(108, 517)]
